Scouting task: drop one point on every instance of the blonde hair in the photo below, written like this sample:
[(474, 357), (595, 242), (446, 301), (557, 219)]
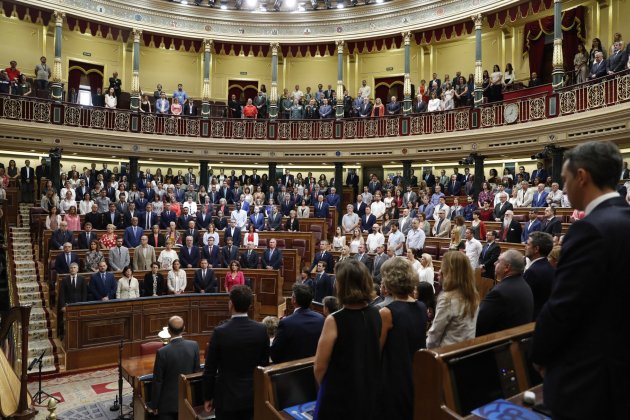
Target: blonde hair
[(455, 236), (399, 277), (458, 278), (428, 259)]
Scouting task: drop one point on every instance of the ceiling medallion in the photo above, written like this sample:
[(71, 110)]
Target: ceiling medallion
[(307, 31), (339, 29), (404, 151), (208, 28)]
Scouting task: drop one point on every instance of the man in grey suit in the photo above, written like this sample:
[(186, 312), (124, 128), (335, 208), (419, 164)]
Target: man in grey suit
[(144, 255), (404, 223), (379, 259), (119, 256), (409, 196), (178, 357)]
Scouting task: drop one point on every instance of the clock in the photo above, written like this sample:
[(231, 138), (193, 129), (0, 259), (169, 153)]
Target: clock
[(510, 113)]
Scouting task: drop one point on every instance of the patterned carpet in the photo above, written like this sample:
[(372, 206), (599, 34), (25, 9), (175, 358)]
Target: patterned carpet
[(84, 395)]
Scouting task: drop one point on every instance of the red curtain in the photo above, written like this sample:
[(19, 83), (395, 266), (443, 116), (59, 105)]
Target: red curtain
[(573, 32), (243, 89), (387, 86), (94, 74)]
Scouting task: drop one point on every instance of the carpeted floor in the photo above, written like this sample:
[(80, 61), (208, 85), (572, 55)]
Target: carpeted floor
[(84, 395)]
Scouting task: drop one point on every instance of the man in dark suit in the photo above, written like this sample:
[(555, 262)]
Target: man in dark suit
[(189, 110), (189, 254), (272, 257), (132, 235), (550, 223), (321, 207), (598, 68), (67, 257), (530, 226), (73, 289), (454, 187), (275, 219), (287, 178), (178, 357), (86, 236), (212, 253), (233, 232), (60, 236), (95, 218), (298, 333), (625, 172), (184, 218), (511, 229), (204, 217), (502, 206), (579, 344), (192, 231), (352, 180), (367, 220), (153, 283), (489, 255), (235, 349), (510, 303), (539, 275), (539, 173), (249, 258), (359, 206), (205, 281), (102, 284), (229, 252), (167, 216), (324, 256), (147, 218), (27, 185), (379, 259), (113, 217), (363, 257), (42, 171), (618, 60)]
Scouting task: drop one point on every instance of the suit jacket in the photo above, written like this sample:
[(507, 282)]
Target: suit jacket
[(321, 209), (528, 228), (322, 285), (235, 349), (61, 262), (376, 269), (569, 336), (539, 276), (509, 304), (96, 219), (297, 336), (275, 221), (182, 221), (179, 357), (367, 222), (167, 218), (99, 289), (540, 199), (541, 174), (131, 239), (142, 220), (191, 257), (128, 216), (161, 240), (512, 233), (83, 242), (325, 257), (489, 255), (236, 235), (445, 229), (139, 260), (208, 283), (229, 255), (141, 204), (26, 172), (292, 226), (68, 293), (147, 284), (115, 219), (258, 220), (194, 234), (359, 208), (118, 258), (212, 255), (499, 210), (58, 238), (189, 109), (365, 259), (598, 70), (553, 226), (203, 220), (453, 189), (249, 260), (275, 260), (617, 62)]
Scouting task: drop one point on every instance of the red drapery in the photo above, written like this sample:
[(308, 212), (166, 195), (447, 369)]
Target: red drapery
[(385, 87), (93, 72), (573, 32)]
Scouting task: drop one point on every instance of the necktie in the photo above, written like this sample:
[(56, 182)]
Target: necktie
[(437, 229), (485, 249), (74, 281), (103, 277), (87, 238), (68, 260), (203, 274), (148, 223)]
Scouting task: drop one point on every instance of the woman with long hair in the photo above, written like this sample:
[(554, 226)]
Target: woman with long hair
[(456, 313), (234, 277), (426, 273), (93, 257)]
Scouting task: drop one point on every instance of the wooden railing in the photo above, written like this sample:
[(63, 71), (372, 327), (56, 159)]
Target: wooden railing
[(602, 92)]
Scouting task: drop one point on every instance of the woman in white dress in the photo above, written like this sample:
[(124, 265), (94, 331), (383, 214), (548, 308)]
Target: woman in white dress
[(85, 205), (426, 272), (339, 240), (434, 103), (356, 240), (176, 279), (167, 256), (415, 264), (110, 99), (449, 97), (128, 285)]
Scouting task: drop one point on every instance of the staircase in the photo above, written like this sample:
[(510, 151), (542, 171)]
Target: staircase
[(31, 291)]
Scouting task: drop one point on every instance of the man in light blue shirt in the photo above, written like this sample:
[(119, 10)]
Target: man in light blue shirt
[(435, 198), (325, 111), (161, 105), (181, 95)]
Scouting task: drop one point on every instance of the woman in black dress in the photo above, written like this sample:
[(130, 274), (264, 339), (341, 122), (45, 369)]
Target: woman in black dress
[(403, 333), (347, 362)]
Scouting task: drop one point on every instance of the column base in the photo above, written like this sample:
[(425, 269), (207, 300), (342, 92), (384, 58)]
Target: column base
[(557, 78), (134, 103), (205, 109), (339, 111), (56, 93), (478, 97), (407, 105), (273, 111)]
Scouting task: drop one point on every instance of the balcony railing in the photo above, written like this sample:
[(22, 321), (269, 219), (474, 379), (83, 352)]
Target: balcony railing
[(603, 92)]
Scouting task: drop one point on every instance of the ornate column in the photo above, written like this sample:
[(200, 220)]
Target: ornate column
[(57, 84), (55, 164), (557, 75), (132, 172), (479, 174), (205, 93), (339, 187), (135, 75), (407, 82), (339, 108), (478, 70), (557, 159), (271, 178), (406, 174), (273, 94), (203, 173)]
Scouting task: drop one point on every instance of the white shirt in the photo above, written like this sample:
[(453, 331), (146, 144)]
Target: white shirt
[(378, 209), (473, 251), (192, 207), (426, 274), (208, 235), (374, 240), (394, 239), (365, 91), (240, 216), (434, 105), (85, 206), (176, 281), (437, 209)]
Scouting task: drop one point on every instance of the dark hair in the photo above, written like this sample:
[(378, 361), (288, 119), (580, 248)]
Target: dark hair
[(543, 241), (241, 298), (155, 264), (127, 267), (601, 159), (331, 304), (426, 294), (303, 295)]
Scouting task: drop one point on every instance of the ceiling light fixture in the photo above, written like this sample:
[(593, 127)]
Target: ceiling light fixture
[(252, 3)]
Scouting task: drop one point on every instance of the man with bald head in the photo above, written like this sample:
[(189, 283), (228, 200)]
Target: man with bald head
[(178, 357)]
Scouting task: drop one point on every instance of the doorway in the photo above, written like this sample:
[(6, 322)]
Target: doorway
[(386, 87), (243, 89), (84, 77)]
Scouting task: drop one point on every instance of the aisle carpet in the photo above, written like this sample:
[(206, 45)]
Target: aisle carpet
[(84, 395)]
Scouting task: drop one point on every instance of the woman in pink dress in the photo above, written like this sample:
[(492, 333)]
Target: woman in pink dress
[(234, 277), (73, 219)]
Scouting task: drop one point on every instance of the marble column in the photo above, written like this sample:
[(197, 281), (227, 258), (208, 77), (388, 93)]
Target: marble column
[(132, 171), (135, 75), (557, 160), (272, 173), (407, 82), (406, 174), (273, 94), (203, 173), (57, 83), (339, 107), (339, 187), (205, 93), (478, 69), (55, 165), (479, 175), (557, 75)]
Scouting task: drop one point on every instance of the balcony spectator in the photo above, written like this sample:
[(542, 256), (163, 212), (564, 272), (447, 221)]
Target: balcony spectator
[(42, 74), (110, 99), (161, 105)]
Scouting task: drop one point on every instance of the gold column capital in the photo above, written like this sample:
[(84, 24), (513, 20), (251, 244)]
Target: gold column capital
[(137, 33), (275, 46), (207, 44), (59, 17), (478, 21), (406, 37)]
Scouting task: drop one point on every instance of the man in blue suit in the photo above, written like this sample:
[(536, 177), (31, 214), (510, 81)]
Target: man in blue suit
[(212, 253), (579, 344), (539, 173), (147, 218), (325, 256), (298, 333), (257, 219), (539, 275), (102, 284), (321, 207), (333, 198), (133, 233), (272, 257), (189, 254), (454, 187), (167, 216), (533, 225), (540, 196)]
